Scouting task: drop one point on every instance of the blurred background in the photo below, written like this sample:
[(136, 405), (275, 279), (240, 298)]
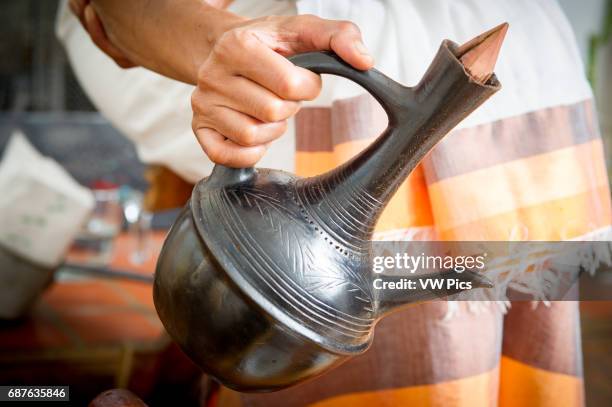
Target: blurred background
[(94, 321)]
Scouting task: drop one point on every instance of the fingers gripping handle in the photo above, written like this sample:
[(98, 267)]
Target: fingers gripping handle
[(385, 90)]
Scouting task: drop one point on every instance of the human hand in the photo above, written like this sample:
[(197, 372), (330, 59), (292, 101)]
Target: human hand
[(247, 89)]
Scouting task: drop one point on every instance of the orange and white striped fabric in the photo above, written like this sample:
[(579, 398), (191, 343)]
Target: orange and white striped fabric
[(537, 176)]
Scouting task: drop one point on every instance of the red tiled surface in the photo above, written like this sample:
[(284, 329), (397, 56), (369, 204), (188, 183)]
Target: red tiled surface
[(139, 292), (110, 326), (92, 333), (98, 333), (67, 295), (94, 311)]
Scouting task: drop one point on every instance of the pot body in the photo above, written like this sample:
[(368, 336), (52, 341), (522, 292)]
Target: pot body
[(220, 328)]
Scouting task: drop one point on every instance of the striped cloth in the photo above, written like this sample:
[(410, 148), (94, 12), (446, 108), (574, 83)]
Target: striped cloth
[(537, 176)]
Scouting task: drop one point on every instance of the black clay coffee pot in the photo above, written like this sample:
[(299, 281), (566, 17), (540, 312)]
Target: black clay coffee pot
[(265, 279)]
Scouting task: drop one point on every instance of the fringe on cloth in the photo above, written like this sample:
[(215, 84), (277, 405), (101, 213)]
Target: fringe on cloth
[(533, 270)]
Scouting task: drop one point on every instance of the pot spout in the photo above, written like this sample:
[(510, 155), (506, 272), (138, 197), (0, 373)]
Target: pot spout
[(459, 79)]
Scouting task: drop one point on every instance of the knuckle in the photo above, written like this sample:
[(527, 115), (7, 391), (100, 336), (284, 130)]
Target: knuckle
[(248, 136), (348, 26), (199, 104), (240, 37), (273, 111), (246, 40), (195, 125), (224, 46), (224, 39), (215, 154), (231, 43), (220, 50), (199, 128), (205, 78), (195, 102), (290, 86)]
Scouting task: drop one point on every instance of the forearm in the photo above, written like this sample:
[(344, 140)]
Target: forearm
[(246, 89), (171, 37)]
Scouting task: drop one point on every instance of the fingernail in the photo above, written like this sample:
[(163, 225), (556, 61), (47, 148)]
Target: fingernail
[(361, 48)]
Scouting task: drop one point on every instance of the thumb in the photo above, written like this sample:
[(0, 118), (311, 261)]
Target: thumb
[(342, 37)]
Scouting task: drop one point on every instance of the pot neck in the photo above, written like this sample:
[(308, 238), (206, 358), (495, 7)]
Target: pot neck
[(357, 192)]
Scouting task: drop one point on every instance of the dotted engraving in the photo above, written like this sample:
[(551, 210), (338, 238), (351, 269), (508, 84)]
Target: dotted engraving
[(293, 273), (351, 222)]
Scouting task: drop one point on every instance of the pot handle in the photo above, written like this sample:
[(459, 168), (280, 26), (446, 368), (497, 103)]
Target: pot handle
[(389, 93)]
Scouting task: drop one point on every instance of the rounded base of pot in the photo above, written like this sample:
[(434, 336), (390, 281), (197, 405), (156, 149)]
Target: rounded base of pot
[(220, 329)]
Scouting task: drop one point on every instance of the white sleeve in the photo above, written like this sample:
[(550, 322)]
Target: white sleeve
[(151, 110)]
